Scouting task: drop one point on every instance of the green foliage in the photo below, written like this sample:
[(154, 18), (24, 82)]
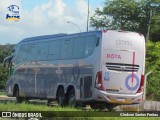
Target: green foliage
[(2, 94), (155, 29), (58, 112), (3, 77), (153, 64), (32, 107), (131, 15), (5, 50)]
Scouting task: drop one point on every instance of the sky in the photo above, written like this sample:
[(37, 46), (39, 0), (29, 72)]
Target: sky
[(44, 17)]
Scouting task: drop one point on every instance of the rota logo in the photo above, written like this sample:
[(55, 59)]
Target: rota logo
[(113, 56), (14, 13)]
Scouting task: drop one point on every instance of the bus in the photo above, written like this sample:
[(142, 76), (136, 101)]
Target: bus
[(98, 68)]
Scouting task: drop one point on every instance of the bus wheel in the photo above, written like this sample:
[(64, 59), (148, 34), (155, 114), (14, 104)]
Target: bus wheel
[(16, 94), (71, 98), (98, 106), (110, 106), (60, 97)]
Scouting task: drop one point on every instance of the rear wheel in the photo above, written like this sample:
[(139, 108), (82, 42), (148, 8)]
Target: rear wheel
[(71, 98), (103, 106), (110, 106), (98, 106), (60, 97)]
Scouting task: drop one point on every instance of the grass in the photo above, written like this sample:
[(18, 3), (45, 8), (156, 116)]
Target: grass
[(9, 106), (125, 118), (64, 112), (2, 93)]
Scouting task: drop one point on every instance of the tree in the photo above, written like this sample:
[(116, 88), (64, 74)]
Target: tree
[(132, 15), (3, 77), (155, 29), (153, 64), (5, 50)]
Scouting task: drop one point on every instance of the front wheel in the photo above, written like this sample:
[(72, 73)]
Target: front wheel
[(16, 94), (71, 98)]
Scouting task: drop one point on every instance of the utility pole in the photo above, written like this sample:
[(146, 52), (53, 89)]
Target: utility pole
[(88, 16), (149, 24)]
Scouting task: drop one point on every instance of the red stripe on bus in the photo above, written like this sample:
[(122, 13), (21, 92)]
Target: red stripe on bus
[(133, 61)]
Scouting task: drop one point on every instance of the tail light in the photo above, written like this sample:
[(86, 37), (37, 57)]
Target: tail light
[(141, 84), (99, 83)]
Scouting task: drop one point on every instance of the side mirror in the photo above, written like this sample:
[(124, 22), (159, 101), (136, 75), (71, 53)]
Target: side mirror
[(6, 61)]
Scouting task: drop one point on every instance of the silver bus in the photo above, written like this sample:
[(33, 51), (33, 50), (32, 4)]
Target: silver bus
[(99, 68)]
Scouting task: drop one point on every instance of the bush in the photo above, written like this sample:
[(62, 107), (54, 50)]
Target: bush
[(153, 64)]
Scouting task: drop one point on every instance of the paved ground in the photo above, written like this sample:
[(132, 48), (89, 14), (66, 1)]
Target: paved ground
[(5, 98)]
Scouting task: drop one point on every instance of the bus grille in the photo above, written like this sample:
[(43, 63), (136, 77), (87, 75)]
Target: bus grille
[(122, 67)]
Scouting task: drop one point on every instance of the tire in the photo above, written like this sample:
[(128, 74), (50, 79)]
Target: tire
[(98, 106), (110, 106), (16, 94), (61, 97), (71, 98), (103, 106)]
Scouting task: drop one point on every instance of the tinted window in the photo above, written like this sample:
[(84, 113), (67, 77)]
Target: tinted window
[(66, 49), (78, 48), (23, 53), (33, 50), (54, 50), (42, 50), (90, 44)]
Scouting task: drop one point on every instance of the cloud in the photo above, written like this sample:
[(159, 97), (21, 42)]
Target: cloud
[(5, 3), (48, 18)]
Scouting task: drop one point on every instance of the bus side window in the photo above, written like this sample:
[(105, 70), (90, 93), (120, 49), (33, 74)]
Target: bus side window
[(42, 50), (66, 49), (32, 54), (54, 50), (23, 53), (78, 47), (90, 44)]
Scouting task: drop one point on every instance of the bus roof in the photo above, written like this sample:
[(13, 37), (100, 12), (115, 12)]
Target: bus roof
[(44, 37), (56, 36)]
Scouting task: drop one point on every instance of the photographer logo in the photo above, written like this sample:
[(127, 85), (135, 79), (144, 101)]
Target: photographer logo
[(13, 13)]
